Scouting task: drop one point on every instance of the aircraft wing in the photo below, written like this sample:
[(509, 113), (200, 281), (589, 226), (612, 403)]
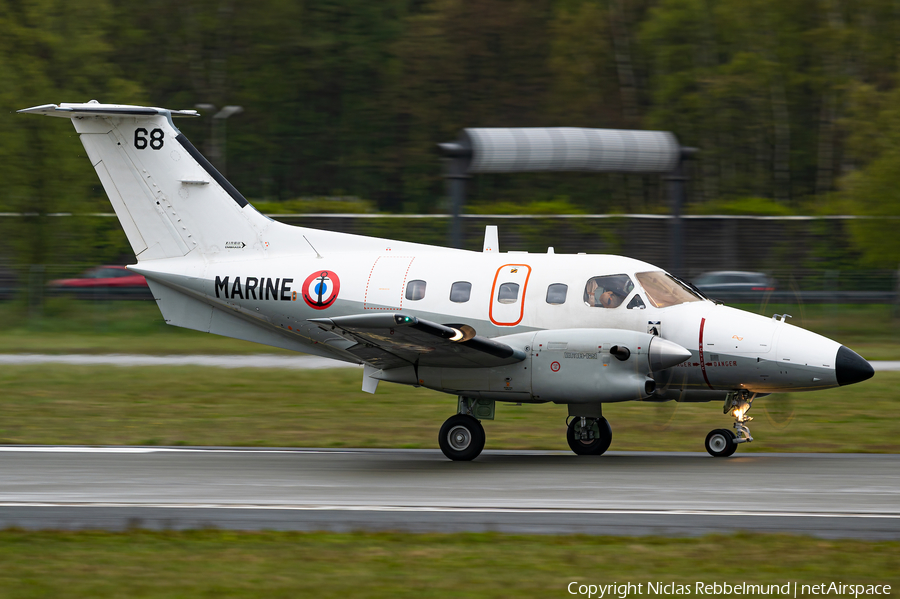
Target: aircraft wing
[(391, 340)]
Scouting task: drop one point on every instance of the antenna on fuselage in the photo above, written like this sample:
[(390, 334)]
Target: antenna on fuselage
[(491, 239), (318, 255)]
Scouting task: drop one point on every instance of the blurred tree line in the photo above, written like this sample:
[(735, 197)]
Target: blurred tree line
[(794, 105)]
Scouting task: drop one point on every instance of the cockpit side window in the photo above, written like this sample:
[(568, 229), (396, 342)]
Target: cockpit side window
[(664, 290), (608, 291)]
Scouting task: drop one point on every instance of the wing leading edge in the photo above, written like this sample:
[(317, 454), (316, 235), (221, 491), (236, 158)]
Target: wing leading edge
[(391, 340)]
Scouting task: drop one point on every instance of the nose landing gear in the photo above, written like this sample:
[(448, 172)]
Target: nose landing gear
[(721, 443)]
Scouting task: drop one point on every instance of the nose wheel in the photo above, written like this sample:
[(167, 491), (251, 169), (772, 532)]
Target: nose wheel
[(461, 438), (589, 436), (722, 442)]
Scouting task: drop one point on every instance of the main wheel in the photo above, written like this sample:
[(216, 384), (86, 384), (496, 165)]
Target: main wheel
[(461, 438), (720, 443), (598, 444)]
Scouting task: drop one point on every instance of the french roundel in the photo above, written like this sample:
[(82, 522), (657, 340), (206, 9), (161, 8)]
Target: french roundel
[(320, 289)]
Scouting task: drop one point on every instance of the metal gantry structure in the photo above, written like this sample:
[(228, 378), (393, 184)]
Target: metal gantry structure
[(542, 149)]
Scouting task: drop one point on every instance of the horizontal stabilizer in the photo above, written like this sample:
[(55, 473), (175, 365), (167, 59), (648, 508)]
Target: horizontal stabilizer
[(94, 108)]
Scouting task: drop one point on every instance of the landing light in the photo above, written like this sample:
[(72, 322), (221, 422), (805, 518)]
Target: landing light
[(458, 335)]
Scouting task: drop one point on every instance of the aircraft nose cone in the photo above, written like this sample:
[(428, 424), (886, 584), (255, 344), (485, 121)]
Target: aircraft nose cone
[(665, 354), (850, 367)]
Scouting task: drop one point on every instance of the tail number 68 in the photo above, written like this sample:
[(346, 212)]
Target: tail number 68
[(155, 141)]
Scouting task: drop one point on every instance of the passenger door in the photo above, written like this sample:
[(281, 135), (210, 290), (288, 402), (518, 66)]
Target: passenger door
[(508, 294), (387, 282)]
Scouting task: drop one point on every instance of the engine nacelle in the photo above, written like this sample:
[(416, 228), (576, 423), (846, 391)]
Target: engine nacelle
[(591, 365), (563, 366)]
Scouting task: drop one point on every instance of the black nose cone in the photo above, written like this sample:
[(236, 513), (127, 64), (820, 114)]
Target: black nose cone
[(850, 367)]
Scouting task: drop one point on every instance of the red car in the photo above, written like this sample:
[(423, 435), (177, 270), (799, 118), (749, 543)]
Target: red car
[(104, 282)]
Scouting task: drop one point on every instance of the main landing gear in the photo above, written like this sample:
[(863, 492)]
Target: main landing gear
[(589, 436), (721, 443), (461, 438), (588, 431)]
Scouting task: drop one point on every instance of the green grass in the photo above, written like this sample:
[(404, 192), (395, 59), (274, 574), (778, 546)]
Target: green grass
[(80, 326), (99, 405), (290, 565)]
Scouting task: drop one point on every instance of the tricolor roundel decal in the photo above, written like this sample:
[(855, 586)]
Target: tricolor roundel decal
[(320, 289)]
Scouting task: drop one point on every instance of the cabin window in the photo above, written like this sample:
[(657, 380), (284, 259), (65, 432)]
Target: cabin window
[(460, 292), (556, 293), (415, 290), (663, 289), (607, 291), (508, 294)]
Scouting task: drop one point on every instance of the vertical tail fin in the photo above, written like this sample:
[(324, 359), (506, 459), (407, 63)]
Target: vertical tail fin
[(170, 200)]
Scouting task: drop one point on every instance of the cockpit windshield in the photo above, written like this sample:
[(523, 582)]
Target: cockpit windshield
[(664, 290)]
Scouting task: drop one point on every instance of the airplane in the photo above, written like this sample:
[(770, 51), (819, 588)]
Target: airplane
[(581, 330)]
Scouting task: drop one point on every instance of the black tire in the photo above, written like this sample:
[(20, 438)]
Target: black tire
[(720, 443), (734, 445), (597, 446), (461, 438)]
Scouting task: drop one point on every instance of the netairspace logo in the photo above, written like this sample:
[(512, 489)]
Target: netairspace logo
[(718, 589)]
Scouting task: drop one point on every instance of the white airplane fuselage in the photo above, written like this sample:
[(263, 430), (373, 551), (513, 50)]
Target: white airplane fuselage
[(730, 349)]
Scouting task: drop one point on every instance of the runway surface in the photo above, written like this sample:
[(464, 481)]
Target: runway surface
[(633, 493), (298, 362)]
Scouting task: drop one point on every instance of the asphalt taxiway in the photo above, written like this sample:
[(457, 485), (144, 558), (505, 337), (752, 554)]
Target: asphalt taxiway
[(628, 493)]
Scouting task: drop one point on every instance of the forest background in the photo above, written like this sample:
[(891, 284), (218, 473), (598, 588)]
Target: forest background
[(795, 106)]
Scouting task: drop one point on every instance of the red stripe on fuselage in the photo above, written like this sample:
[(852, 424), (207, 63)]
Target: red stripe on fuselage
[(702, 363)]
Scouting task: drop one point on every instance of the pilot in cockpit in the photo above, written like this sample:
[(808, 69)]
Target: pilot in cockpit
[(607, 291), (609, 299)]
